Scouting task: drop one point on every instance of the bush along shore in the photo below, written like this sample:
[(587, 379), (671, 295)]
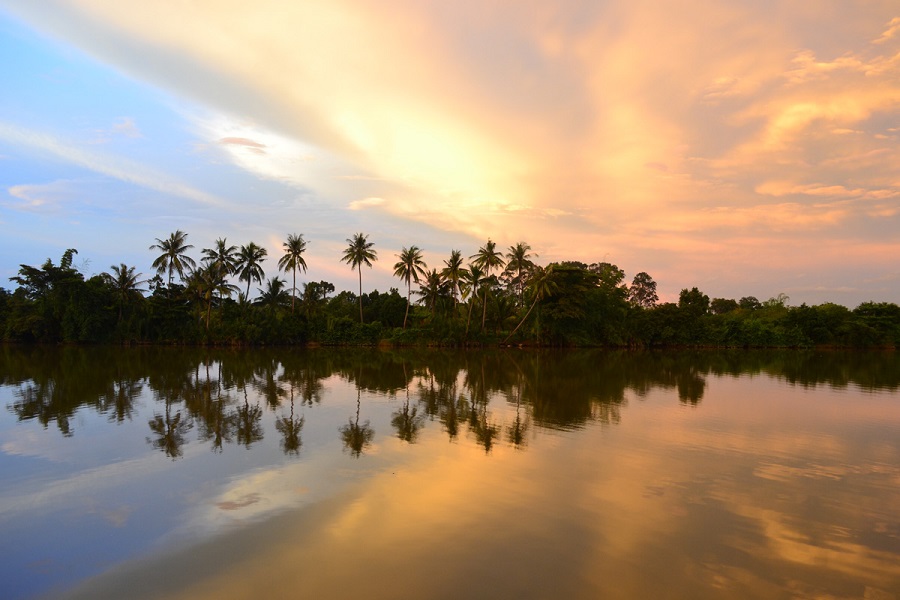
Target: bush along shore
[(494, 298)]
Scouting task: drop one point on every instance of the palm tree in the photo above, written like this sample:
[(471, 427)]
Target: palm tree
[(453, 273), (124, 283), (487, 258), (432, 290), (222, 257), (409, 268), (505, 310), (173, 257), (518, 263), (474, 280), (294, 248), (541, 285), (359, 252), (208, 283), (274, 295), (248, 265)]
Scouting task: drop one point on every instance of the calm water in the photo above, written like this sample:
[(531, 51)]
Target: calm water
[(170, 473)]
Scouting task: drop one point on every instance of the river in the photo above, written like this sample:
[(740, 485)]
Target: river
[(339, 473)]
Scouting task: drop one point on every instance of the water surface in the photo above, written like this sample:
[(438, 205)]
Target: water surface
[(172, 473)]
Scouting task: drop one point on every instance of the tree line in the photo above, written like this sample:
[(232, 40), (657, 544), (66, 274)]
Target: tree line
[(493, 297)]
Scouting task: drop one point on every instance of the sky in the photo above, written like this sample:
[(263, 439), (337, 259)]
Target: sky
[(748, 148)]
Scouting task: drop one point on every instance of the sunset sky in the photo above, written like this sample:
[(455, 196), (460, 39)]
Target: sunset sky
[(743, 147)]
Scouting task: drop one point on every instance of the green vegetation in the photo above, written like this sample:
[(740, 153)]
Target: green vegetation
[(561, 304)]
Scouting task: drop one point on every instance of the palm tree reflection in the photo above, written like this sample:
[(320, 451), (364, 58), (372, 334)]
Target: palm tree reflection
[(118, 399), (170, 431), (290, 427), (248, 422), (357, 437), (515, 433), (407, 421)]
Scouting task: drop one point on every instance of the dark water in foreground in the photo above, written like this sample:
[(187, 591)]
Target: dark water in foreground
[(170, 473)]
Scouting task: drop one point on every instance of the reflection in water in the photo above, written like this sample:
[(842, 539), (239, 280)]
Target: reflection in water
[(290, 427), (516, 431), (169, 431), (357, 437), (537, 474), (407, 421), (248, 422), (210, 389)]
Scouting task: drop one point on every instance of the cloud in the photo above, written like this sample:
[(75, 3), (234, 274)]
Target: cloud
[(366, 203), (246, 143), (806, 67), (784, 188), (42, 198), (268, 154), (892, 30), (583, 128), (121, 127), (111, 166), (126, 126)]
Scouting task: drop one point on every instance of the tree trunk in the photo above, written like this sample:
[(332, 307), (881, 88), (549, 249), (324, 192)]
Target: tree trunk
[(294, 291), (360, 295), (523, 319), (408, 295)]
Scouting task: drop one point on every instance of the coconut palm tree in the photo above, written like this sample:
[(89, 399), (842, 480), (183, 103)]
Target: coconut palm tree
[(294, 248), (518, 263), (173, 258), (453, 273), (208, 283), (124, 282), (274, 295), (433, 289), (505, 311), (487, 258), (409, 268), (249, 266), (222, 257), (211, 281), (359, 252)]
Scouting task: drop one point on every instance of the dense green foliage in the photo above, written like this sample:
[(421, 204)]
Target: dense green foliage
[(561, 304)]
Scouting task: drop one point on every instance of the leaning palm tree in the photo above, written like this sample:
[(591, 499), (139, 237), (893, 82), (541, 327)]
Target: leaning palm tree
[(542, 285), (173, 258), (474, 280), (359, 252), (409, 268), (453, 273), (518, 263), (294, 248), (249, 264), (124, 282), (487, 258)]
